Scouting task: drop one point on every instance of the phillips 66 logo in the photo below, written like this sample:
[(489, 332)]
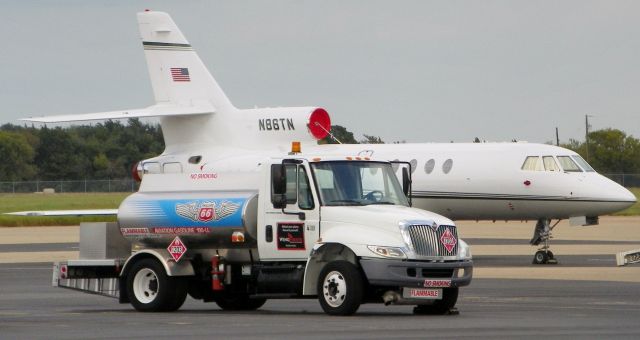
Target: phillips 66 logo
[(206, 211), (206, 214)]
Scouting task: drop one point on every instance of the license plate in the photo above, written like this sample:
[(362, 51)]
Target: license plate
[(422, 293)]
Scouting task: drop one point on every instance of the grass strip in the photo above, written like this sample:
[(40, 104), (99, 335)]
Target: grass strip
[(61, 201)]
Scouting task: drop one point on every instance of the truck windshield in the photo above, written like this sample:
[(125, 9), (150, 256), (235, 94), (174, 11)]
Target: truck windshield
[(357, 183)]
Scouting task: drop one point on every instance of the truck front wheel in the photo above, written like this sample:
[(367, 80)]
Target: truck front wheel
[(449, 299), (340, 288), (150, 289)]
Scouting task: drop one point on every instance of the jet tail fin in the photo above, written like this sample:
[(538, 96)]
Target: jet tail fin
[(177, 74), (186, 93)]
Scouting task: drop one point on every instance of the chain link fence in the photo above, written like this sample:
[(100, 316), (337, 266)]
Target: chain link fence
[(87, 185), (626, 180), (129, 185)]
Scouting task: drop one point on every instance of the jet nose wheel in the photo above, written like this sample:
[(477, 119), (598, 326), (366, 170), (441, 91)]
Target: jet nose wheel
[(544, 257), (542, 234), (540, 257)]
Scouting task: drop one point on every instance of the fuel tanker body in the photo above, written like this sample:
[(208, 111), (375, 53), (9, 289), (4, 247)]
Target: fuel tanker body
[(338, 229), (203, 220)]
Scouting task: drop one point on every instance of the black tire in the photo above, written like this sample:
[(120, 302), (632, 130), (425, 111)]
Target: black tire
[(541, 257), (150, 289), (340, 288), (238, 302), (439, 307)]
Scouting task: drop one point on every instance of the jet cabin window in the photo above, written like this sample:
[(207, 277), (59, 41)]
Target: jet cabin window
[(568, 164)]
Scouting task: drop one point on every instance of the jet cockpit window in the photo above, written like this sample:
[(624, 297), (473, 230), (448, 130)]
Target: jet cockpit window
[(532, 163), (550, 163), (568, 164), (585, 166)]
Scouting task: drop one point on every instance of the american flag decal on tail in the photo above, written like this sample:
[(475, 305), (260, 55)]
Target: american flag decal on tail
[(180, 74)]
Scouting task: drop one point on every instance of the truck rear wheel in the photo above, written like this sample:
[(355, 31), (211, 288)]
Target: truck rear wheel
[(238, 302), (449, 299), (340, 288), (150, 289)]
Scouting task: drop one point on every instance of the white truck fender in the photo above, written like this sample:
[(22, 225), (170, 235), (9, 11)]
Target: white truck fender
[(322, 254)]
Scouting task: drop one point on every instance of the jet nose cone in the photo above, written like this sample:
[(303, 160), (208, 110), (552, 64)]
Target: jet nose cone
[(624, 196), (627, 195), (614, 197)]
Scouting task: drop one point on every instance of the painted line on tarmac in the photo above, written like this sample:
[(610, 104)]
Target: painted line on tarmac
[(551, 272), (26, 235), (560, 249), (548, 272), (554, 242), (38, 256), (30, 247)]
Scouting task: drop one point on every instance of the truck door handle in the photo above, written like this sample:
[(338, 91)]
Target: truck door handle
[(268, 234)]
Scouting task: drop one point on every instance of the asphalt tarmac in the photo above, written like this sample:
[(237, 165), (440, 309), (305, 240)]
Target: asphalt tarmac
[(508, 298)]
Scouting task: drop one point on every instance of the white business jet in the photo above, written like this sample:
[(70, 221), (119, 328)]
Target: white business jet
[(205, 133)]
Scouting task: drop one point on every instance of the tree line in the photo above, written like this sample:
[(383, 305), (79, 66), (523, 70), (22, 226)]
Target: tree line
[(100, 151), (609, 151), (110, 149)]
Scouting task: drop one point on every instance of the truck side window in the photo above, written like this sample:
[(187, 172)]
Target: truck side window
[(305, 198), (292, 181)]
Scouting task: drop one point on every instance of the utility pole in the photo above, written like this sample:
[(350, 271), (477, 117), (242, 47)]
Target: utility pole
[(586, 139), (557, 137)]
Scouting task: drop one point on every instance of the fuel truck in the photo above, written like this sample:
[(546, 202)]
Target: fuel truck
[(339, 229)]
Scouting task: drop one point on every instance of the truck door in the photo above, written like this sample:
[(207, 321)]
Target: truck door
[(287, 236)]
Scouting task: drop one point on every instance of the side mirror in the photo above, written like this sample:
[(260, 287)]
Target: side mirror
[(406, 183), (278, 186)]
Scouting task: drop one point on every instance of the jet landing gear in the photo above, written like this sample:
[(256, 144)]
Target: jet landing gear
[(542, 234), (544, 256)]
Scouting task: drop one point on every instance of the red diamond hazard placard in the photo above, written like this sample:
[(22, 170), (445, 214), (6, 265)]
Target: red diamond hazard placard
[(448, 240), (177, 249)]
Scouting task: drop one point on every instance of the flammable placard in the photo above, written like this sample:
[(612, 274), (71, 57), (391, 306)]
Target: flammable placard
[(177, 249)]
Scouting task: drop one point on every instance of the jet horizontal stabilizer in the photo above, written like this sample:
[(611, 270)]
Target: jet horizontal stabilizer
[(159, 110), (82, 212)]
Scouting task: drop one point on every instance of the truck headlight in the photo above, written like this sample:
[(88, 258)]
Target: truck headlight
[(464, 251), (391, 252)]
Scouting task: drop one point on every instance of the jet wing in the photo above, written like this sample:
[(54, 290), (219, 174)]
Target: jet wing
[(151, 111), (86, 212)]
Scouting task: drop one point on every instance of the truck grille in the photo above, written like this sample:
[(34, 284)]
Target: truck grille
[(428, 242)]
